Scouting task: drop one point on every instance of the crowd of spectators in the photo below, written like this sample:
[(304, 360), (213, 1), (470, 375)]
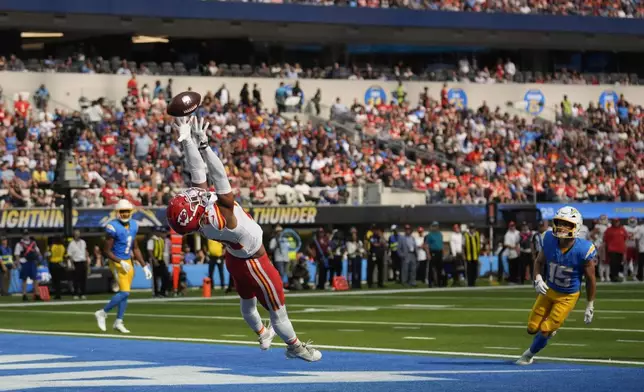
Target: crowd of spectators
[(492, 155), (469, 156), (614, 9), (466, 70)]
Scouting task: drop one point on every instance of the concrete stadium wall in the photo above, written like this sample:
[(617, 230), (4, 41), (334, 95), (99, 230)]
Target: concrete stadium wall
[(67, 88)]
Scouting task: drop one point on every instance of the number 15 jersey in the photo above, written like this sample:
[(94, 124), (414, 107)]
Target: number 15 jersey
[(565, 268)]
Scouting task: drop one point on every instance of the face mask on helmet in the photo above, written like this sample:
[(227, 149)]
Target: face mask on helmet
[(185, 210), (562, 228), (632, 222), (124, 215)]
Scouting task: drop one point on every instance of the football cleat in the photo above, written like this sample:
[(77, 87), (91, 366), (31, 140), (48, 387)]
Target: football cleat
[(303, 351), (101, 316), (119, 326), (266, 338), (526, 358)]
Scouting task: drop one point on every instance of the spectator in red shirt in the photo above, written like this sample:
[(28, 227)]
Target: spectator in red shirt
[(615, 243), (21, 107), (133, 86)]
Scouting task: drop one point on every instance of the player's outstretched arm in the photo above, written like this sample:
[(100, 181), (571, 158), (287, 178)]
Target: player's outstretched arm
[(194, 162), (216, 168), (591, 290)]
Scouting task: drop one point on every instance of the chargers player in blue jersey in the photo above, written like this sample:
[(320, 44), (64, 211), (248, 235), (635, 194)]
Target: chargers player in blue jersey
[(119, 247), (566, 259)]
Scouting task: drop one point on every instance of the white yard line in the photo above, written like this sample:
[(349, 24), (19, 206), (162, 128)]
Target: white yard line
[(325, 321), (418, 338), (406, 327), (357, 293), (346, 348), (629, 341)]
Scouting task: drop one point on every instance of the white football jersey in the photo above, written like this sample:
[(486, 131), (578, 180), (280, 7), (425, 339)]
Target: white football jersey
[(243, 241), (630, 242)]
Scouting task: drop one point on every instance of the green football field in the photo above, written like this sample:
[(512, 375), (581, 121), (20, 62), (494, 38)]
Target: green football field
[(486, 321)]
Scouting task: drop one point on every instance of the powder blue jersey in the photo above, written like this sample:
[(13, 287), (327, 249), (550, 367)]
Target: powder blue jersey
[(124, 236), (565, 268)]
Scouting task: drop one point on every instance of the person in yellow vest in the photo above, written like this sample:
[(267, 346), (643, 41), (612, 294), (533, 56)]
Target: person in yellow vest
[(56, 266), (6, 265), (472, 251), (156, 247), (216, 260)]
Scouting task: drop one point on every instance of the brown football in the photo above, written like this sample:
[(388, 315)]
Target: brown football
[(184, 104)]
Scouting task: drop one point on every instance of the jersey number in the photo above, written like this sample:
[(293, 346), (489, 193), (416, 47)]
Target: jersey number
[(560, 275), (128, 245)]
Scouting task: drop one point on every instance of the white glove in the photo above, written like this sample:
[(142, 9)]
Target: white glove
[(127, 267), (184, 126), (199, 129), (539, 285), (590, 311), (148, 273)]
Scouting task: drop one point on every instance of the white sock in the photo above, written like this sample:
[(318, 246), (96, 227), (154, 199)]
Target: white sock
[(283, 327), (251, 315)]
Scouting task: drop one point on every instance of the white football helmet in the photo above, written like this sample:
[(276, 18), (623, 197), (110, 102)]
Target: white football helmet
[(124, 210), (567, 223)]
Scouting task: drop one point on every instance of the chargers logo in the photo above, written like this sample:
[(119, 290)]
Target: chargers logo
[(608, 99), (375, 95), (535, 101), (458, 98)]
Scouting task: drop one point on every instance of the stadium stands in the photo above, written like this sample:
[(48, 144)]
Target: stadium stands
[(613, 9), (589, 154), (503, 71)]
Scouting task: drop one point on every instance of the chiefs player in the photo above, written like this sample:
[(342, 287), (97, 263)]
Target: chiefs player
[(218, 217)]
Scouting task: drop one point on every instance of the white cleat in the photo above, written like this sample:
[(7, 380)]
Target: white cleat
[(119, 326), (266, 339), (526, 358), (101, 316), (303, 351)]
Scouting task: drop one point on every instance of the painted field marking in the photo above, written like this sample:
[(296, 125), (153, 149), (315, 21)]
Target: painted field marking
[(501, 348), (347, 348), (70, 365), (418, 338), (29, 358), (322, 321), (527, 298), (406, 327), (629, 341), (569, 344), (357, 293)]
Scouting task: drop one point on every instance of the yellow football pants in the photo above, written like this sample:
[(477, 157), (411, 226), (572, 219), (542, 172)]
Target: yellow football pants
[(550, 311), (124, 279)]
